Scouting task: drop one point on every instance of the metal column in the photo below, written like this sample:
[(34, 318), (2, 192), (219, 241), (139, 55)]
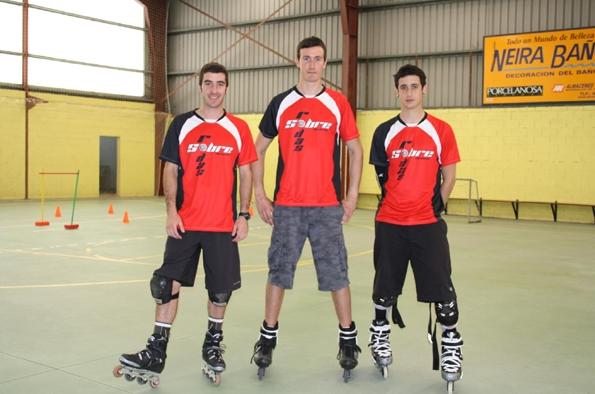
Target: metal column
[(349, 25)]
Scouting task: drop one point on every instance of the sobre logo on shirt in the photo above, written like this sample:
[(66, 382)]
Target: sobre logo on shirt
[(405, 153), (202, 146), (307, 124), (211, 148)]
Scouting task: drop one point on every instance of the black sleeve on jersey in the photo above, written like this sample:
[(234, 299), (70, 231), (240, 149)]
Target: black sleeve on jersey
[(268, 126), (171, 145), (268, 123), (381, 177), (378, 155), (377, 151)]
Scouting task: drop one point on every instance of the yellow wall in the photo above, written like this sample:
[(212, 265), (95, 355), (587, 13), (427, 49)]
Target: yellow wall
[(538, 154), (12, 144), (64, 137)]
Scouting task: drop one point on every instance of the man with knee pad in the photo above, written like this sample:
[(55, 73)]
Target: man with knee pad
[(204, 151), (415, 156)]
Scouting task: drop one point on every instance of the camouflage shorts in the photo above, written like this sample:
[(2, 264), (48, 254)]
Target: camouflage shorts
[(322, 226)]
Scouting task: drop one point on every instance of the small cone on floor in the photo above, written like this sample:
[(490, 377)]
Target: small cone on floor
[(125, 219), (58, 212), (251, 211), (110, 210)]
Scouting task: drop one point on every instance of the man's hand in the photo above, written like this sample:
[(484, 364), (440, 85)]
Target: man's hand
[(354, 148), (265, 209), (348, 207), (240, 229), (174, 226)]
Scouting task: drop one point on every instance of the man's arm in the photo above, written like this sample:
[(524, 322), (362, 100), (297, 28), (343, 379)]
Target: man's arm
[(354, 147), (449, 176), (263, 204), (381, 177), (174, 224), (240, 227)]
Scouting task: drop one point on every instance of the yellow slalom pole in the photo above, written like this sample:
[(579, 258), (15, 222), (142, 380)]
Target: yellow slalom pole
[(42, 222), (42, 196)]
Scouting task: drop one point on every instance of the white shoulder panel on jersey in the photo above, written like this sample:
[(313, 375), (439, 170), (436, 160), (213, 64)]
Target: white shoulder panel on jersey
[(429, 129), (394, 130), (288, 101), (328, 101), (189, 125), (233, 130)]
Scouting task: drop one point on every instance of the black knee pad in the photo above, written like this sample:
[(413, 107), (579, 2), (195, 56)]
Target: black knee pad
[(161, 289), (386, 302), (447, 313), (219, 299)]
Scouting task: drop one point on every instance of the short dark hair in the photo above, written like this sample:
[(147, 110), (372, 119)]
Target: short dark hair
[(310, 42), (214, 68), (410, 69)]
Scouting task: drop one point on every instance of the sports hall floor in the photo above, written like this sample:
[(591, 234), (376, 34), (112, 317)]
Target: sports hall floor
[(72, 301)]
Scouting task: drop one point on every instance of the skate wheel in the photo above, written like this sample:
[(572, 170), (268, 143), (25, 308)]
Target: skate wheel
[(450, 387), (260, 373), (346, 375), (216, 379), (213, 376), (140, 380), (118, 371), (154, 383), (384, 372), (129, 377)]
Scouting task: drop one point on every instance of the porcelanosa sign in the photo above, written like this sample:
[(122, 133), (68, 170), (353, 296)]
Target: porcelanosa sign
[(551, 66)]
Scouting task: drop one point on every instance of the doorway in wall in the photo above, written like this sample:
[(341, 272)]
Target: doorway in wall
[(108, 165)]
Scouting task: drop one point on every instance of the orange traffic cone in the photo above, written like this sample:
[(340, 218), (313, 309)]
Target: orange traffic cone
[(58, 212), (110, 210), (125, 219), (251, 211)]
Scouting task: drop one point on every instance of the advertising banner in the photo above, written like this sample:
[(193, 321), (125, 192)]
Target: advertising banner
[(541, 67)]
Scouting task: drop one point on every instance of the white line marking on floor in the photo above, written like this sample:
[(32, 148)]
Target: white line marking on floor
[(84, 257), (301, 263)]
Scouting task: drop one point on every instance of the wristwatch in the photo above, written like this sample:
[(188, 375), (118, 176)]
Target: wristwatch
[(245, 215)]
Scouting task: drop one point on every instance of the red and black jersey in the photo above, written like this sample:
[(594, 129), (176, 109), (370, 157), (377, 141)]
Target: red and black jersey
[(208, 154), (414, 155), (309, 131)]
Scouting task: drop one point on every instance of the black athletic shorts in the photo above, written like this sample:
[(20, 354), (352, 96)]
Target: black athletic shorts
[(221, 260), (426, 246)]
